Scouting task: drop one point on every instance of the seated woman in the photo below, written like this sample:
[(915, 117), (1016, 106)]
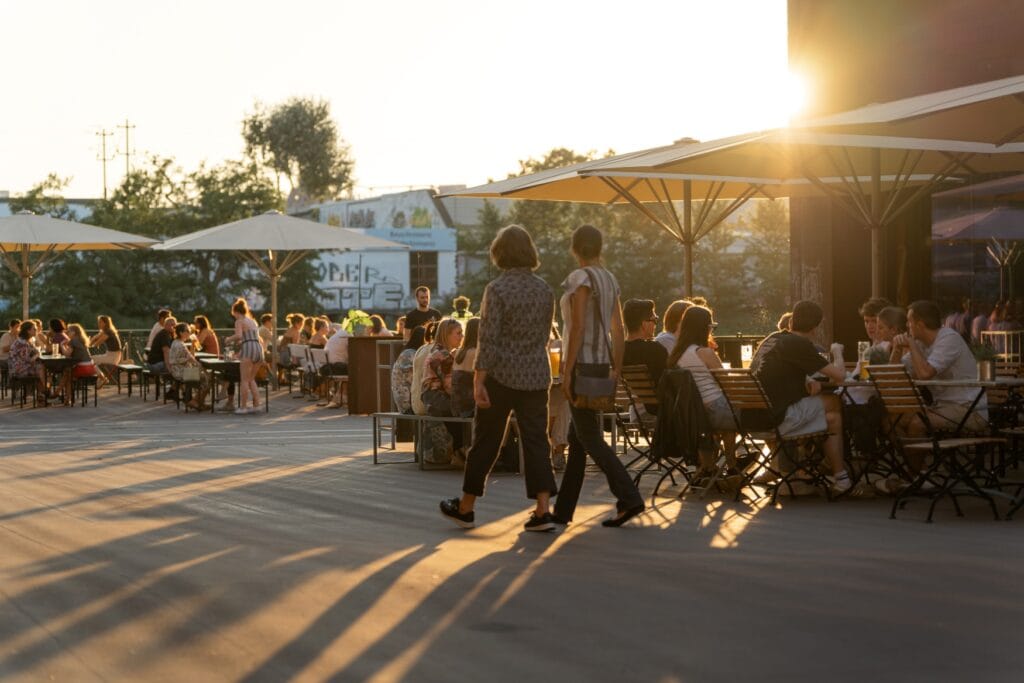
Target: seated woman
[(290, 336), (419, 366), (401, 372), (207, 338), (463, 404), (106, 336), (23, 358), (693, 352), (58, 332), (437, 377), (320, 331), (76, 348), (306, 333), (378, 328), (180, 358)]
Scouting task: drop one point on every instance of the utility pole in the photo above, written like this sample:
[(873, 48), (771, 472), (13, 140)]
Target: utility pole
[(127, 147), (103, 158)]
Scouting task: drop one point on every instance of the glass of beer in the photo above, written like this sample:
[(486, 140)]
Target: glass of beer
[(555, 358), (746, 355)]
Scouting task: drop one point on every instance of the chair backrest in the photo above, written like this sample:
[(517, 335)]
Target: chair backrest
[(741, 389), (898, 393), (639, 385), (318, 358), (299, 353)]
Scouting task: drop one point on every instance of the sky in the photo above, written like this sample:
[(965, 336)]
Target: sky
[(425, 93)]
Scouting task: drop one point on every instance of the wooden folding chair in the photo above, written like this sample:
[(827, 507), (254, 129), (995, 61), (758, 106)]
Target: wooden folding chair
[(637, 392), (956, 463), (805, 452)]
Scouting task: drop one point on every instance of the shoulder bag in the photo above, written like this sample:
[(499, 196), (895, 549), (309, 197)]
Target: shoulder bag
[(592, 388)]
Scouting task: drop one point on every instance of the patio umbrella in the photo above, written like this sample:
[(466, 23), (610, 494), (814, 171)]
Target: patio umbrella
[(1000, 223), (284, 239), (25, 234), (656, 194), (870, 176)]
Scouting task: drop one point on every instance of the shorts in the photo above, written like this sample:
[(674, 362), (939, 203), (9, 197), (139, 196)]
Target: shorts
[(947, 416), (720, 415), (806, 416)]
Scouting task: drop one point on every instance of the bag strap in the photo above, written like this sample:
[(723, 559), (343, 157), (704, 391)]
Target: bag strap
[(601, 327)]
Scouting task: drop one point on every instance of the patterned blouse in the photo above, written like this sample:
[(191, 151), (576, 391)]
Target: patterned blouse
[(179, 358), (438, 373), (22, 359), (515, 323), (401, 381)]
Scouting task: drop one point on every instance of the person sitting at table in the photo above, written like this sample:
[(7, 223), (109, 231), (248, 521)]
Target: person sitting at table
[(400, 327), (157, 356), (670, 323), (161, 317), (401, 372), (108, 337), (782, 364), (378, 328), (640, 348), (930, 351), (23, 358), (892, 320), (337, 362), (693, 352), (869, 314), (463, 403), (419, 364), (267, 335), (39, 339), (8, 338), (207, 338), (179, 358), (76, 348), (436, 388), (320, 331), (306, 333), (58, 332)]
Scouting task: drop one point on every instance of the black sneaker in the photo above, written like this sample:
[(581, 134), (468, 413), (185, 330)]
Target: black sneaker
[(450, 510), (542, 523)]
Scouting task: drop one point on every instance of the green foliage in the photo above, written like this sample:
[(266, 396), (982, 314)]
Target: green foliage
[(45, 199), (356, 321), (299, 140)]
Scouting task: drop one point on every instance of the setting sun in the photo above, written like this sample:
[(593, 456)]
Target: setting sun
[(795, 94)]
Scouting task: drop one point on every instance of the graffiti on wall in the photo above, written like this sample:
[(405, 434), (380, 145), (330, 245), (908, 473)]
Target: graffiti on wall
[(345, 285)]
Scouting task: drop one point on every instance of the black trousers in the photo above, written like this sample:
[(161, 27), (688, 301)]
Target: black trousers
[(531, 408)]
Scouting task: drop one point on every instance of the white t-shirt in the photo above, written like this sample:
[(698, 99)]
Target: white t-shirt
[(157, 326), (667, 339), (593, 349), (419, 363), (337, 347), (952, 359)]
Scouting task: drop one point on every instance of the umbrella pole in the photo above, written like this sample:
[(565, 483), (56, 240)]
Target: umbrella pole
[(876, 228), (275, 275), (688, 238), (25, 279)]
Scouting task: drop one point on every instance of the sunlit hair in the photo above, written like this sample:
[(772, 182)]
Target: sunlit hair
[(422, 288), (695, 328), (785, 321), (266, 316), (202, 322), (105, 323), (444, 329), (429, 330), (76, 329), (320, 324), (296, 318), (674, 314), (241, 307), (377, 324), (470, 340), (57, 325), (513, 247), (15, 323), (461, 303), (180, 329), (27, 329)]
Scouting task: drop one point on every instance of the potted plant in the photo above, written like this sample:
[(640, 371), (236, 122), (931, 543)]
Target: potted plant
[(357, 322), (986, 357)]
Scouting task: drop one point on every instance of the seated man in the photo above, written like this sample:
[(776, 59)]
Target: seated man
[(930, 351), (782, 364), (641, 323), (337, 361), (158, 356), (869, 310)]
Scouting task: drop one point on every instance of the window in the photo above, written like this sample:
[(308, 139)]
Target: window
[(423, 270)]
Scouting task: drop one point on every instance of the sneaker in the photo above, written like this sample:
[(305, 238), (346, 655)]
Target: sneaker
[(840, 485), (241, 411), (450, 510), (890, 486), (542, 523)]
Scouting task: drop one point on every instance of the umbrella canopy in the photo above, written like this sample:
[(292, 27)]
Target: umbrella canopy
[(1010, 188), (656, 193), (868, 173), (273, 233), (991, 112), (25, 233), (1000, 223)]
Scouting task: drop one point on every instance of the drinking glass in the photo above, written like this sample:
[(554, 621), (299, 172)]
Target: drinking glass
[(746, 355)]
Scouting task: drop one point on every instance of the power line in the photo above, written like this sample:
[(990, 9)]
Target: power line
[(127, 146), (103, 158)]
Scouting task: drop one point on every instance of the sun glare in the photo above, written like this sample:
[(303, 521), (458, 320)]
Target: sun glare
[(795, 94)]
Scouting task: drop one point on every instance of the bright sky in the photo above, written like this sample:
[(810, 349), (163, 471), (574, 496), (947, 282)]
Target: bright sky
[(426, 93)]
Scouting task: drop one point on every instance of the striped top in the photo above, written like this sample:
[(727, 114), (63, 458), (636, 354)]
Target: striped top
[(596, 330), (706, 384)]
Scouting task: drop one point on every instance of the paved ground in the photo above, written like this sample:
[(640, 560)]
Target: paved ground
[(137, 543)]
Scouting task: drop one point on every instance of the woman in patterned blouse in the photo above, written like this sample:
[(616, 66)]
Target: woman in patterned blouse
[(512, 372), (23, 360)]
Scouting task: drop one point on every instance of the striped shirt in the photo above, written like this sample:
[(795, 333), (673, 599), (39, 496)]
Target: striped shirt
[(596, 329)]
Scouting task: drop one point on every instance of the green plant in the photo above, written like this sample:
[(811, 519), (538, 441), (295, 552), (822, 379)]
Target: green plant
[(355, 320), (983, 352)]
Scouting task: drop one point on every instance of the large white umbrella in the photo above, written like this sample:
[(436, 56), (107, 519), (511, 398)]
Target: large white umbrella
[(25, 234), (284, 240)]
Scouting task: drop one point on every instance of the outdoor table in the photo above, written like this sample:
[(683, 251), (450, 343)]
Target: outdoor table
[(1009, 383), (229, 369), (53, 366)]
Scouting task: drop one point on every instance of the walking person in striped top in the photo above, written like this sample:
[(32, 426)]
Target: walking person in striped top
[(250, 352)]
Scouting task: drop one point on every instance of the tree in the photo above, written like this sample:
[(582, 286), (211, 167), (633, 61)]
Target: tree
[(768, 257), (299, 140)]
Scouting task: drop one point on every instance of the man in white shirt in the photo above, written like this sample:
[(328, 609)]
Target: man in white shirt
[(670, 323), (931, 351), (161, 316), (337, 361)]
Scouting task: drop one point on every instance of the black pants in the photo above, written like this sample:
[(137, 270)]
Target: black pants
[(531, 409), (587, 436), (334, 369)]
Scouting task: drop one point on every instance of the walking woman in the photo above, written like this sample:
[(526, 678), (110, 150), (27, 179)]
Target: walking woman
[(592, 313), (250, 352), (511, 373)]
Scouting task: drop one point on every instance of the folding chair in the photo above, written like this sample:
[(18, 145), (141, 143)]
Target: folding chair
[(319, 361), (299, 354), (637, 391), (805, 452), (956, 463)]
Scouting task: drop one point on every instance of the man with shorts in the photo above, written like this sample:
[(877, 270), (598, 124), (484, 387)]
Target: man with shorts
[(783, 364), (930, 351)]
